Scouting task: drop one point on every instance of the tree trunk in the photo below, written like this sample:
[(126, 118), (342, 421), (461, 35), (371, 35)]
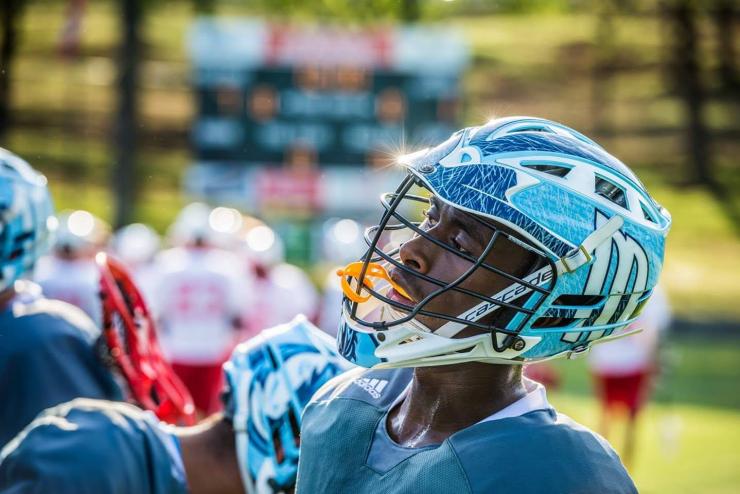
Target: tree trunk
[(725, 14), (124, 170), (687, 72), (10, 10), (204, 7), (410, 11), (602, 68)]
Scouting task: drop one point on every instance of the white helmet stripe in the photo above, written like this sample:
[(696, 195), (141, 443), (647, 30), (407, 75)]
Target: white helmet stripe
[(508, 294)]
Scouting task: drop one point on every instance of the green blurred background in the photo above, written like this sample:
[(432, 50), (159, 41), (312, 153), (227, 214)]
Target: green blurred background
[(657, 84)]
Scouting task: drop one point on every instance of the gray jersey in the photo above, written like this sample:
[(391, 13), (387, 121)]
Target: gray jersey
[(93, 447), (345, 447), (47, 357)]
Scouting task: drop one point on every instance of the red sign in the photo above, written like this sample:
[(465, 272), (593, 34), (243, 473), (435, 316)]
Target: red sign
[(286, 190), (326, 46)]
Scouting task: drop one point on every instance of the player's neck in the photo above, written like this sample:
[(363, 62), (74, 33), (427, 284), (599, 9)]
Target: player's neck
[(446, 399), (209, 457), (6, 296)]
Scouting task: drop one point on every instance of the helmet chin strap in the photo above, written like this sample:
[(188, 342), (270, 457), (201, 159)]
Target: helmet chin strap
[(427, 343)]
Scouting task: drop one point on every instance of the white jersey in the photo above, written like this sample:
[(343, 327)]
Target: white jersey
[(197, 297), (286, 292), (76, 282), (634, 353), (145, 276)]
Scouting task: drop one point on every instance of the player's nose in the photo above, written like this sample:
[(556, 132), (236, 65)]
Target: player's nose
[(417, 254)]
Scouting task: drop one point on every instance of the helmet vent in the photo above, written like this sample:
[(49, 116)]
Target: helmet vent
[(271, 356), (411, 339), (556, 170), (638, 309), (530, 129), (466, 349), (278, 446), (553, 322), (579, 300), (647, 214), (610, 191), (295, 426), (641, 304)]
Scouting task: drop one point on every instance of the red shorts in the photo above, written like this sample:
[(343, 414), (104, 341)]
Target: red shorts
[(628, 391), (204, 383)]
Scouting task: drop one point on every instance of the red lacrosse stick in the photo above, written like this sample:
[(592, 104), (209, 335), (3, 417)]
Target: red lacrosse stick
[(132, 342)]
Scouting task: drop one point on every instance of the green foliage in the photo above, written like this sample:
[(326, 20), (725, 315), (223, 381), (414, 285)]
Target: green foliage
[(681, 449), (356, 12)]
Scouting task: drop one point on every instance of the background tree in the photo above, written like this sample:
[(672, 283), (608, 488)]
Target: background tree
[(725, 15), (126, 128), (10, 11), (686, 73)]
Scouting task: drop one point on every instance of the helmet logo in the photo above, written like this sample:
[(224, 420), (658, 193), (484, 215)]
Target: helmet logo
[(374, 387)]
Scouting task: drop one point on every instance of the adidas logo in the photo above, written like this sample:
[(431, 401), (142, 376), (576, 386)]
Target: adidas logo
[(373, 386)]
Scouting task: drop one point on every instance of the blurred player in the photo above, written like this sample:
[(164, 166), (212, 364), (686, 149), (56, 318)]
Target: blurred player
[(623, 370), (70, 274), (535, 244), (90, 446), (136, 245), (282, 290), (199, 297), (47, 352), (342, 242)]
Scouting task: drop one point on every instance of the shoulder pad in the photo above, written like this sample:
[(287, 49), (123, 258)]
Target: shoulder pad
[(57, 309)]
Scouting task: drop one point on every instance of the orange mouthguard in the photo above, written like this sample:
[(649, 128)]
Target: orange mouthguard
[(374, 270)]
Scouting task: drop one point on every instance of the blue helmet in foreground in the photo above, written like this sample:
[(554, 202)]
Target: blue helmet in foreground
[(26, 217), (596, 233), (269, 381)]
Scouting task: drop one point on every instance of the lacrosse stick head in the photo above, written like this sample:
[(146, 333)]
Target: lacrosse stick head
[(130, 336)]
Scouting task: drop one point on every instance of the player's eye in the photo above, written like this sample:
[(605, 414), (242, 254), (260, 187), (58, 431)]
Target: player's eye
[(458, 247), (429, 220)]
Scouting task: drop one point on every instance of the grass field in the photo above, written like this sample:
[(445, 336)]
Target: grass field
[(681, 449), (689, 435)]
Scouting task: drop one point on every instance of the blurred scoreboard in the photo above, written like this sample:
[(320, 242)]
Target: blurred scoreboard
[(302, 105), (338, 116)]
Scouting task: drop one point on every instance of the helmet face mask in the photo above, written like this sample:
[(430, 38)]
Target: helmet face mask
[(573, 246), (468, 276)]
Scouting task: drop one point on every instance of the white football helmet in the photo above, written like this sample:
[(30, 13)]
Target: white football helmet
[(136, 243), (80, 233)]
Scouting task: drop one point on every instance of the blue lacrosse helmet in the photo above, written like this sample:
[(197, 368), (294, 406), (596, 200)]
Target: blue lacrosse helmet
[(269, 380), (598, 235), (26, 217)]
